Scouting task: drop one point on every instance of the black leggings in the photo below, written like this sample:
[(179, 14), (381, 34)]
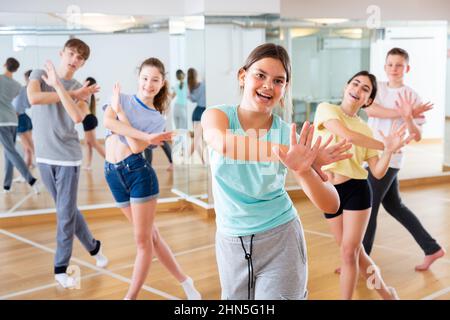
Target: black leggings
[(386, 191), (148, 153)]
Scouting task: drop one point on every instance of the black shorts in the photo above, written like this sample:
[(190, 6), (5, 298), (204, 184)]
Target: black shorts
[(90, 122), (354, 195)]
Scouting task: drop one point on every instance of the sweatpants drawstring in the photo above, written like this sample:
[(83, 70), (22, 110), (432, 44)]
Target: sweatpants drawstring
[(248, 257)]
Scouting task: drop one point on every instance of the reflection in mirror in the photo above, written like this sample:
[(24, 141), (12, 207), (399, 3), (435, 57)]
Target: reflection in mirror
[(118, 46), (446, 165), (187, 43), (240, 34), (325, 54)]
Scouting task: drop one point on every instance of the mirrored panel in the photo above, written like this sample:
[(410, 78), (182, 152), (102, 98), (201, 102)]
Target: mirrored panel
[(118, 45)]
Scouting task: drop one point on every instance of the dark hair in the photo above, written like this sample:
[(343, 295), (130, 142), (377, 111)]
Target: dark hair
[(12, 64), (192, 79), (92, 103), (162, 99), (398, 52), (79, 46), (373, 81), (180, 73), (27, 73)]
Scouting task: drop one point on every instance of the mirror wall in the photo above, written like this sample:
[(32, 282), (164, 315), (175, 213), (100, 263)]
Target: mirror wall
[(118, 45), (324, 54)]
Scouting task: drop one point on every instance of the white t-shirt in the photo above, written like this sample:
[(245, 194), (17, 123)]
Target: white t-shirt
[(386, 97)]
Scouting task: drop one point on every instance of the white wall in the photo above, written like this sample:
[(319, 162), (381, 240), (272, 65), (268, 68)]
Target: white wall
[(227, 47), (138, 7), (356, 9), (447, 91), (427, 47), (113, 58)]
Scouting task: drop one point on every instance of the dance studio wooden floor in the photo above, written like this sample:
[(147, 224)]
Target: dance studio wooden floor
[(27, 245), (27, 254)]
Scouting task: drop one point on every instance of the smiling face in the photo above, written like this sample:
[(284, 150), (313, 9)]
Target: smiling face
[(357, 92), (71, 59), (264, 84), (150, 82)]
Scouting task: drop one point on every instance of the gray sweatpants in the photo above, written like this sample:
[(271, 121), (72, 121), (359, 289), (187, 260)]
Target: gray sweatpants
[(12, 157), (278, 260), (62, 183)]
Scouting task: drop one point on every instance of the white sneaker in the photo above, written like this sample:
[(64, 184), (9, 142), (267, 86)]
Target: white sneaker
[(393, 293), (36, 188), (65, 281), (19, 179), (101, 260), (6, 191)]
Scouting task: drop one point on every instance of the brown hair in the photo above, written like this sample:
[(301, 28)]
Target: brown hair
[(27, 73), (12, 64), (398, 52), (79, 46), (162, 99), (269, 50), (192, 79), (373, 81)]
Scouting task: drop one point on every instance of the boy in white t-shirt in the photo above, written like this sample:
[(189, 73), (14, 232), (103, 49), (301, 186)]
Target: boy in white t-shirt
[(396, 101)]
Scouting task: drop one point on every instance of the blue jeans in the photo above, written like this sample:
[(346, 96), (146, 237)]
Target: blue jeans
[(131, 180)]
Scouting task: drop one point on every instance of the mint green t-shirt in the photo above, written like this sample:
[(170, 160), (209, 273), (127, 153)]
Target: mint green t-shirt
[(249, 196)]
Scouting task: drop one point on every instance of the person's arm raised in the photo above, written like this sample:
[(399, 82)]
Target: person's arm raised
[(75, 112), (37, 97), (393, 142), (115, 120), (338, 128), (322, 194), (238, 147)]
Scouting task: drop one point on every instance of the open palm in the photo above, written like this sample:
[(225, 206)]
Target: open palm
[(405, 104), (159, 138), (396, 138), (51, 78), (115, 100), (302, 153)]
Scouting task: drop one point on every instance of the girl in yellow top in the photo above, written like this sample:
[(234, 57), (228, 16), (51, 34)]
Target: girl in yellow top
[(349, 177)]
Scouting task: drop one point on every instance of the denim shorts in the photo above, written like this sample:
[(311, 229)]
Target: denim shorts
[(24, 124), (131, 180)]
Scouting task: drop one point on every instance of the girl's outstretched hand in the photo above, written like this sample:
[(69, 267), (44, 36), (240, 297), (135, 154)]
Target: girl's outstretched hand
[(329, 154), (396, 138), (115, 101), (301, 154), (158, 138)]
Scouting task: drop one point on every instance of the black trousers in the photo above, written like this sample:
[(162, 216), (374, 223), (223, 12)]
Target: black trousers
[(148, 153), (386, 192)]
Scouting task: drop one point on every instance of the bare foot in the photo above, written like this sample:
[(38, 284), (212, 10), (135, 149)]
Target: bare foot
[(170, 167), (393, 292), (429, 259)]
